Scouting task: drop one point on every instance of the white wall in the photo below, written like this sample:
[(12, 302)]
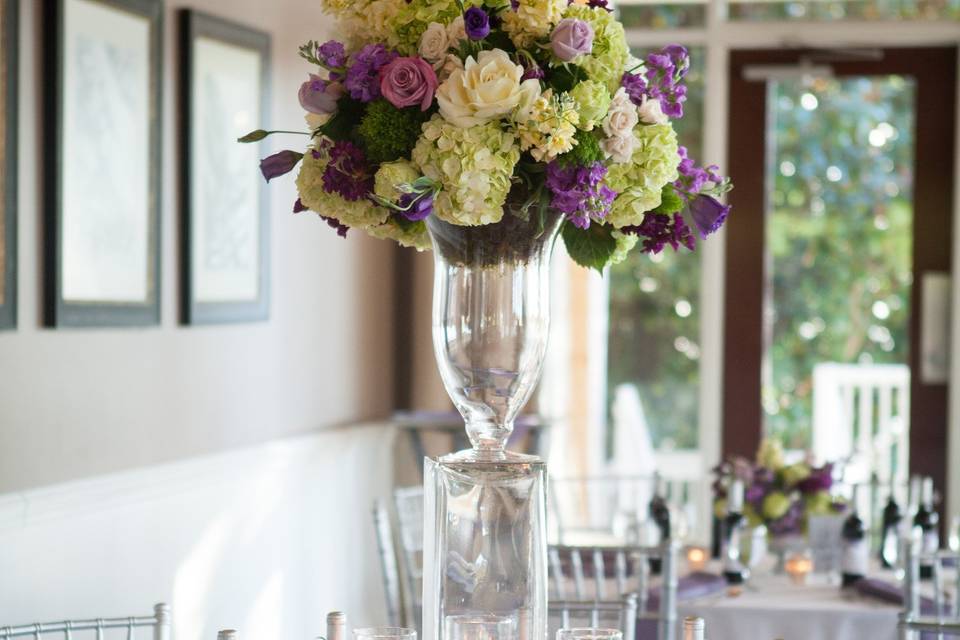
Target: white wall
[(265, 540), (81, 402)]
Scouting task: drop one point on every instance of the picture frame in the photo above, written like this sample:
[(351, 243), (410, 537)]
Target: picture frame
[(102, 173), (225, 230), (9, 36)]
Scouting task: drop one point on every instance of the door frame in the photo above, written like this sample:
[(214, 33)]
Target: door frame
[(934, 70)]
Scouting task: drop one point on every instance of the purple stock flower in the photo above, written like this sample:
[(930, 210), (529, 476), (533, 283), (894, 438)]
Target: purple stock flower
[(298, 206), (420, 206), (476, 22), (579, 192), (708, 214), (660, 229), (347, 172), (820, 479), (635, 86), (279, 164), (363, 76), (336, 224), (332, 54)]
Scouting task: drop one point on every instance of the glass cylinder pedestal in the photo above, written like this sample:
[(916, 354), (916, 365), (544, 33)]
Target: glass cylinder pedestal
[(485, 551)]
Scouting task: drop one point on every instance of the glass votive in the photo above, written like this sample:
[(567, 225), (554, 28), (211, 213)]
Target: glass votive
[(480, 627), (385, 633), (697, 558), (589, 633), (798, 566)]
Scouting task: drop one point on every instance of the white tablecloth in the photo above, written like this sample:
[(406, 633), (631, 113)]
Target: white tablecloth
[(772, 607)]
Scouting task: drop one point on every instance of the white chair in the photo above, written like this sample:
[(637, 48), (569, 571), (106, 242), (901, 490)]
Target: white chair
[(943, 620), (630, 574), (159, 622), (613, 614)]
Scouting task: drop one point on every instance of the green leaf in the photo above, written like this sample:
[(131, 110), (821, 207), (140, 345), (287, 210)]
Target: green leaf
[(565, 77), (670, 202), (590, 248), (254, 136)]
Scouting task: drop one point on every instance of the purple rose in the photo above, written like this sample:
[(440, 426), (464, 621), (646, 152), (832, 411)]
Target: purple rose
[(406, 82), (319, 96), (476, 22), (279, 163), (708, 214), (571, 38)]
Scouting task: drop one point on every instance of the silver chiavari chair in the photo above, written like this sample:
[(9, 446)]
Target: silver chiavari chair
[(581, 574), (942, 620), (386, 549), (408, 502), (159, 622), (612, 614)]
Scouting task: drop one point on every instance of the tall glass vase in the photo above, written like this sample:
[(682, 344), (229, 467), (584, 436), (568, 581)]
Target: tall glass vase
[(485, 554)]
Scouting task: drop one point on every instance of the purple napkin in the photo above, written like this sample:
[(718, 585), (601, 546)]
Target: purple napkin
[(889, 592), (690, 587)]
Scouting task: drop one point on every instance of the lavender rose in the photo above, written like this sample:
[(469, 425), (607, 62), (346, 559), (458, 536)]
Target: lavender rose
[(319, 96), (476, 22), (571, 38), (406, 82)]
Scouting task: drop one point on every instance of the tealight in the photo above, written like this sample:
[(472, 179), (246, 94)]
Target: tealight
[(696, 558), (798, 566)]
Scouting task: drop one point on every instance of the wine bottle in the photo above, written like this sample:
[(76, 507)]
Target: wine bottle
[(733, 570), (856, 552), (336, 625), (928, 521), (693, 628), (890, 533), (659, 515)]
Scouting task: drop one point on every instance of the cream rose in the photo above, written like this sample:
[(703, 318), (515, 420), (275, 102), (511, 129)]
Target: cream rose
[(619, 148), (456, 31), (448, 65), (622, 116), (486, 88), (651, 113), (434, 43)]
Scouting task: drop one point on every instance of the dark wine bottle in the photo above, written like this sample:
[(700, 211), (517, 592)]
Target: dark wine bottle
[(890, 532), (733, 570), (856, 552), (928, 521), (659, 512)]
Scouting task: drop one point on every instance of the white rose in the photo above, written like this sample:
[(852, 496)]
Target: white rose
[(619, 148), (316, 120), (486, 88), (447, 66), (434, 43), (651, 113), (622, 116), (456, 31)]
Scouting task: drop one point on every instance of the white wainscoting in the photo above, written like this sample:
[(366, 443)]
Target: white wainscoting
[(265, 540)]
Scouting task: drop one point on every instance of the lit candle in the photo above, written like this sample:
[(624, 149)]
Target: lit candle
[(696, 558), (798, 566)]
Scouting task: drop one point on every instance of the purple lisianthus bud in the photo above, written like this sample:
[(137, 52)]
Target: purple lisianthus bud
[(419, 208), (708, 214), (319, 96), (406, 82), (279, 164), (571, 38), (476, 22), (335, 224)]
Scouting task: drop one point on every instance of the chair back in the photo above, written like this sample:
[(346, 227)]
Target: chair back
[(601, 573), (921, 617), (610, 614), (408, 502), (158, 623), (386, 550)]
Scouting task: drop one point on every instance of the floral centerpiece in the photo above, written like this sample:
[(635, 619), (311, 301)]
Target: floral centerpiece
[(780, 496), (471, 111)]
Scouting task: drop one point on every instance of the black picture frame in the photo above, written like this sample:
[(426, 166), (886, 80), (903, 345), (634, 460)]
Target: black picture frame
[(9, 36), (195, 25), (58, 311)]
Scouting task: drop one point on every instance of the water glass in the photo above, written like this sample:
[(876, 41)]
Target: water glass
[(384, 633), (479, 627), (589, 633)]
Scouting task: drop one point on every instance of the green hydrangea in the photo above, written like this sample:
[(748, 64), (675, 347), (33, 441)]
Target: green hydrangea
[(607, 61), (625, 244), (390, 175), (593, 101), (410, 235), (640, 181), (473, 166), (387, 133), (415, 16), (585, 152), (775, 505), (360, 213), (532, 20)]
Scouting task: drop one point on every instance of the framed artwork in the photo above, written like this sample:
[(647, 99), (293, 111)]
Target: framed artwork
[(102, 61), (225, 227), (8, 163)]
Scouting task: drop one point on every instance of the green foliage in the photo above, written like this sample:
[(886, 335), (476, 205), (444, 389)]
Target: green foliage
[(565, 77), (670, 202), (344, 121), (590, 248), (585, 152), (387, 133)]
